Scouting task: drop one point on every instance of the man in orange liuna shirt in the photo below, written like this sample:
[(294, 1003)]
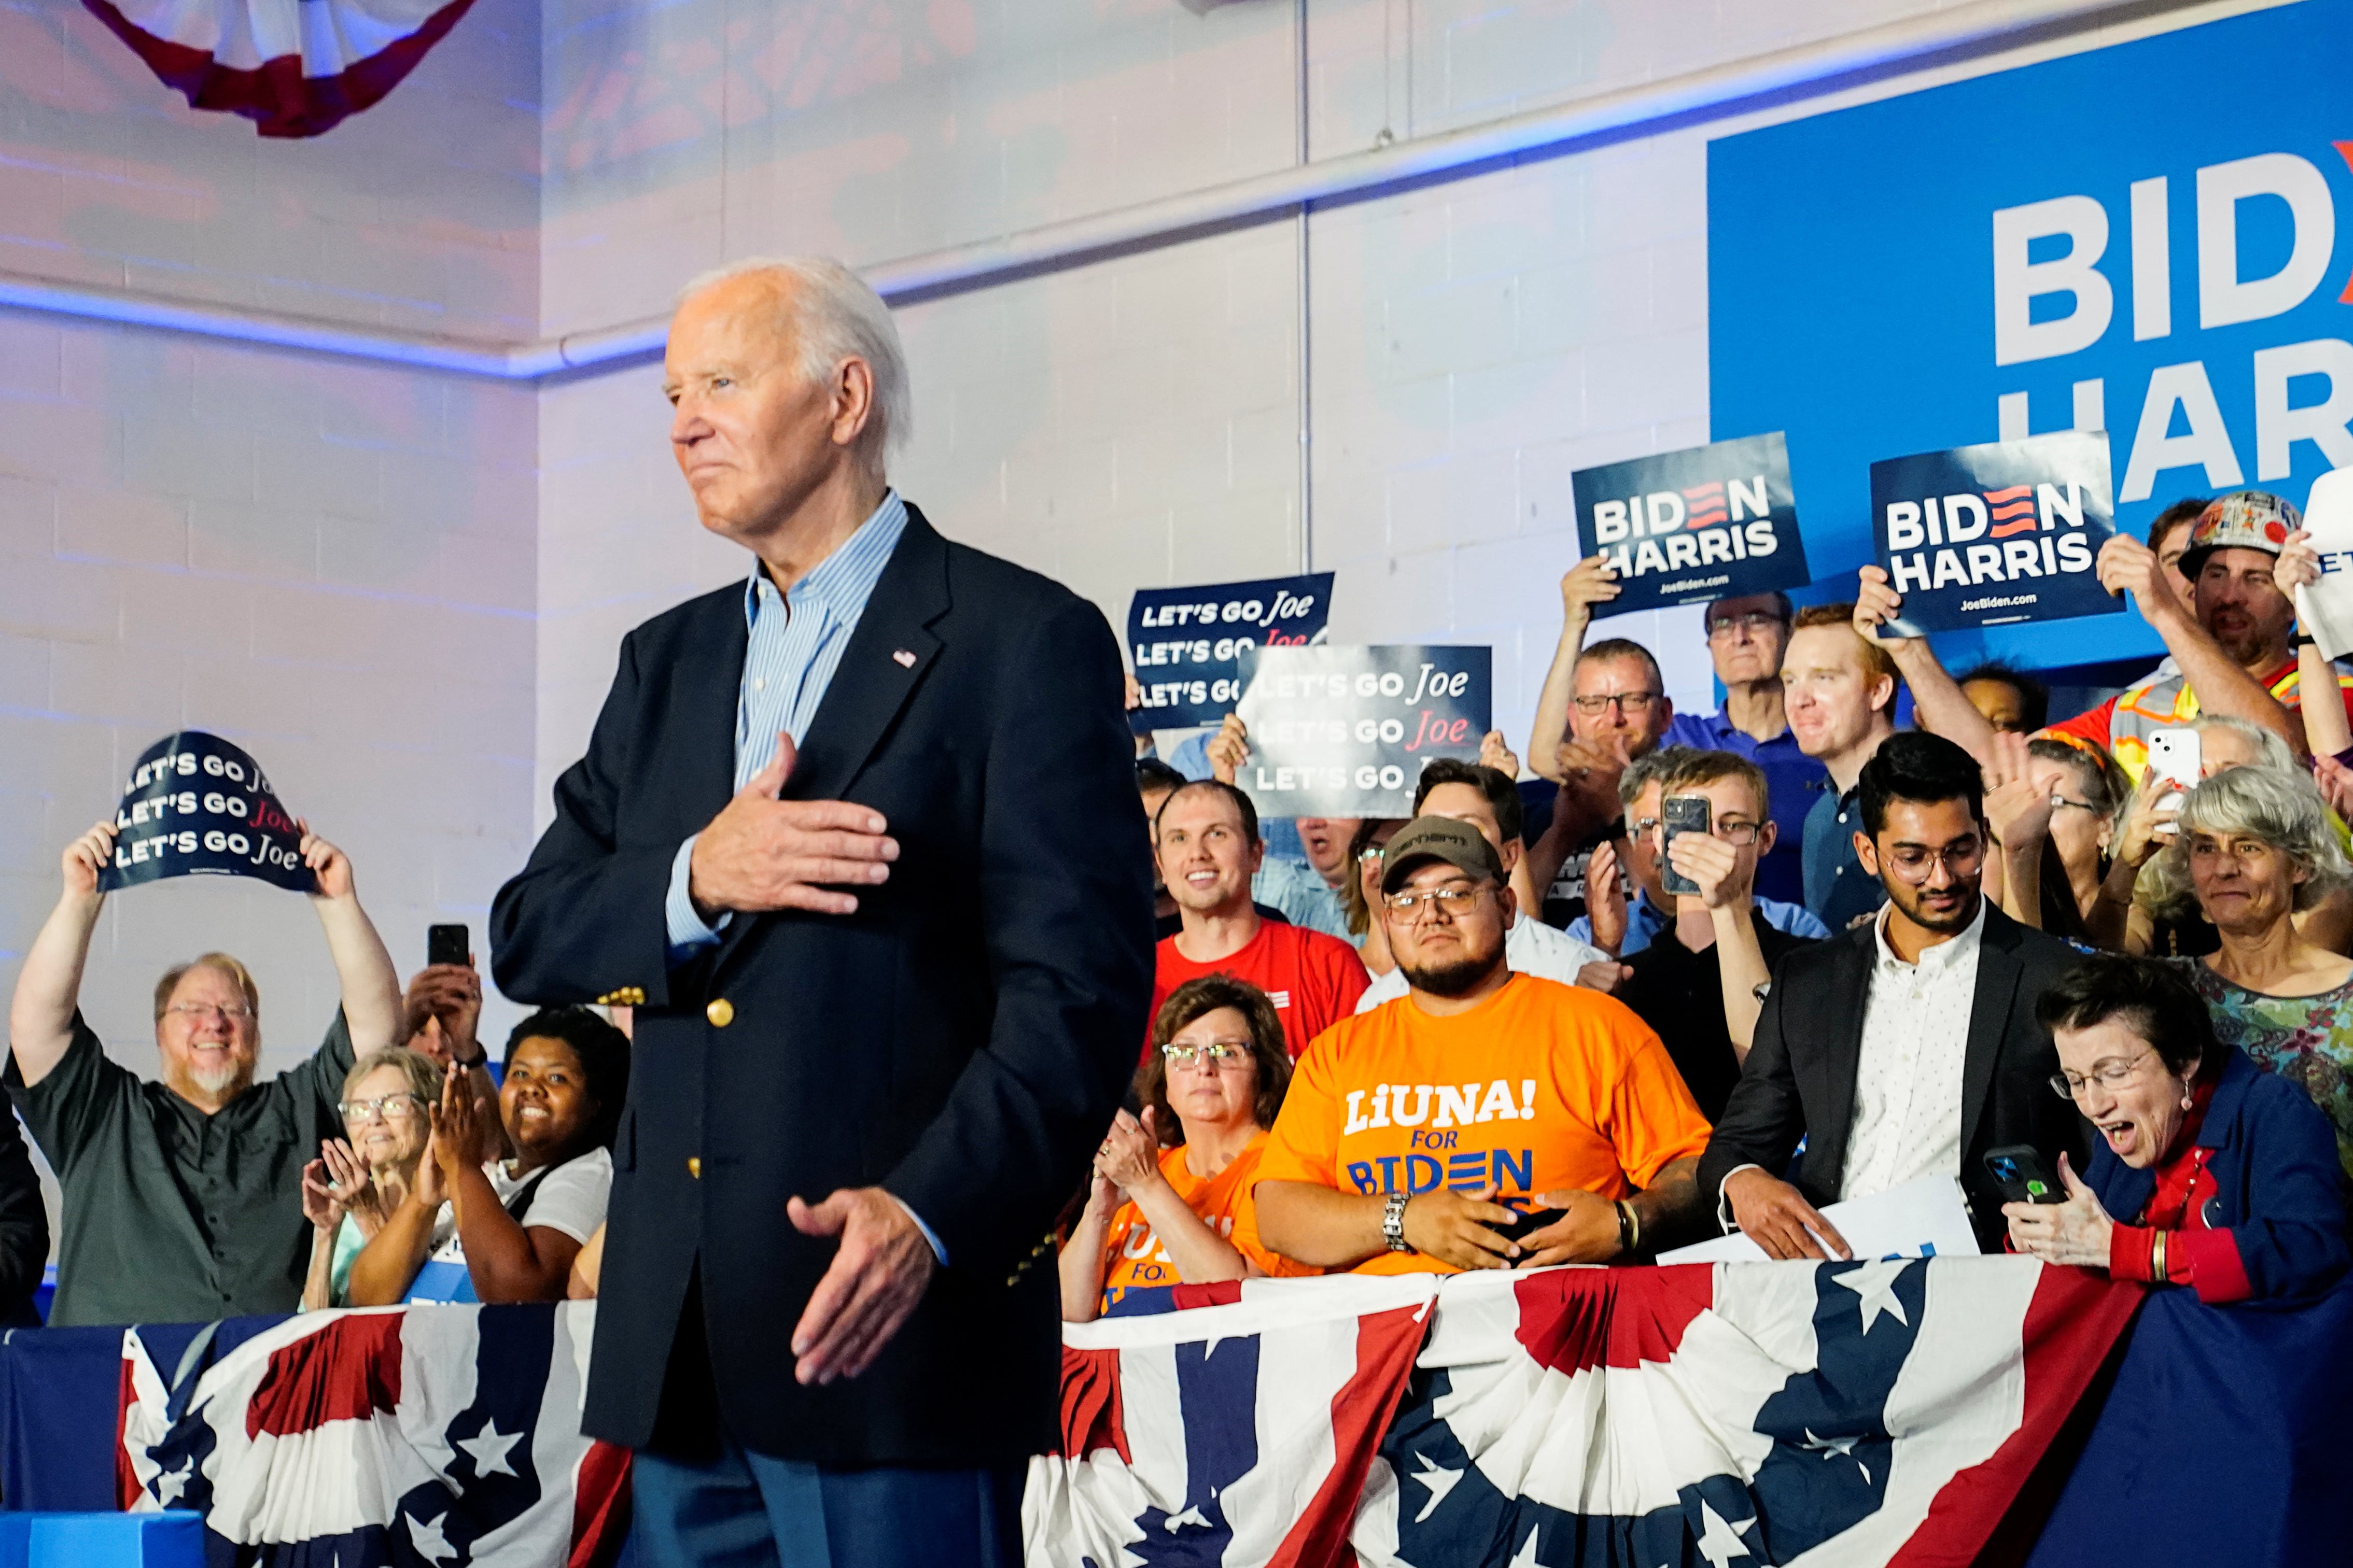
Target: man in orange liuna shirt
[(1413, 1133)]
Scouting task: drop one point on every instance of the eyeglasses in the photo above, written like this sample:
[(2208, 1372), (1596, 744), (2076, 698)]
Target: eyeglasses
[(1917, 862), (2060, 802), (1371, 854), (1625, 702), (1740, 835), (236, 1012), (2246, 851), (2109, 1075), (1211, 1054), (401, 1107), (1455, 901), (1753, 623)]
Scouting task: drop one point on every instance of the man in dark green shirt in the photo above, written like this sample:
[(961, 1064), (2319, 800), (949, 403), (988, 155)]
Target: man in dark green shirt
[(183, 1197)]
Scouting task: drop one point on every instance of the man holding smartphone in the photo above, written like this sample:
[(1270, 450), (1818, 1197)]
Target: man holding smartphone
[(1697, 981), (1906, 1047)]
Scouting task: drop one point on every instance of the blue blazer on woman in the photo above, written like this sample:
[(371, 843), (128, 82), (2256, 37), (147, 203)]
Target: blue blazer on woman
[(2279, 1190)]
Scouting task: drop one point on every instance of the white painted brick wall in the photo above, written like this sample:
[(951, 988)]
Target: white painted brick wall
[(334, 566), (1135, 422), (422, 213), (405, 591)]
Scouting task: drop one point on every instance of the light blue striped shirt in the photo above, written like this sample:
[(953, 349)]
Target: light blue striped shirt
[(796, 644)]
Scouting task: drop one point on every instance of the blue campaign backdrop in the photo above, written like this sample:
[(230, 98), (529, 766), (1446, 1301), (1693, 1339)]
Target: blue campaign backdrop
[(2143, 238)]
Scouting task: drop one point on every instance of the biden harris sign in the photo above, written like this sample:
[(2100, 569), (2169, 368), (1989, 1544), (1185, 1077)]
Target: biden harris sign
[(1982, 536), (2150, 239), (1685, 528)]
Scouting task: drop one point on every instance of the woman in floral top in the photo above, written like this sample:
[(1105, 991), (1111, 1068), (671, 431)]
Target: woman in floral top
[(2256, 846)]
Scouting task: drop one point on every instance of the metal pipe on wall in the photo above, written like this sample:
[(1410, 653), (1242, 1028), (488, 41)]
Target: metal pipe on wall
[(1943, 36), (1306, 371)]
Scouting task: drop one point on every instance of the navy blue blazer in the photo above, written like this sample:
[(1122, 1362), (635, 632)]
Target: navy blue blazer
[(1798, 1082), (2279, 1190), (962, 1040)]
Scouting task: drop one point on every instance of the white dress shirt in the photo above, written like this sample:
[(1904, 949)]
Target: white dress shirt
[(1530, 947), (1907, 1080)]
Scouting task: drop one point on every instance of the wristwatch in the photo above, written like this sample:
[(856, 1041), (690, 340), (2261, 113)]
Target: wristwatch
[(1393, 1222)]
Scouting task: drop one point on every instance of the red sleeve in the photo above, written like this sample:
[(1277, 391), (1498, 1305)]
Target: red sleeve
[(2093, 724), (1160, 989), (2129, 1249), (2216, 1271)]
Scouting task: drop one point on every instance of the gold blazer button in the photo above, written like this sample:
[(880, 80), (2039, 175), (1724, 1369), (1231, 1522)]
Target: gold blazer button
[(721, 1011)]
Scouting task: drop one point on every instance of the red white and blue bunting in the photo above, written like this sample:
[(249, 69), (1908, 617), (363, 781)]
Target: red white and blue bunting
[(296, 67)]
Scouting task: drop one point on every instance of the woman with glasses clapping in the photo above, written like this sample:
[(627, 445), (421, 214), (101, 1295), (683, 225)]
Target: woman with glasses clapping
[(2208, 1171), (1183, 1216), (364, 1175)]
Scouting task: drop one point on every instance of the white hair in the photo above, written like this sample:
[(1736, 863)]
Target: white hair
[(835, 315), (2280, 806), (2271, 751)]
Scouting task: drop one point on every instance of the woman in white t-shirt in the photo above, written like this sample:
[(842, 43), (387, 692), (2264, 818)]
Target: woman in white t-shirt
[(476, 1229)]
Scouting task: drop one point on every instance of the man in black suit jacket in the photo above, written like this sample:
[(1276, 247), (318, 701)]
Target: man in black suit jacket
[(1904, 1047), (887, 980)]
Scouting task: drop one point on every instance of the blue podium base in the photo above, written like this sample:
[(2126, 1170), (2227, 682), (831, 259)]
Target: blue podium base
[(101, 1540)]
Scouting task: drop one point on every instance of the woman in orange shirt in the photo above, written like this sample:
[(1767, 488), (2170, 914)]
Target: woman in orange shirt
[(1184, 1214)]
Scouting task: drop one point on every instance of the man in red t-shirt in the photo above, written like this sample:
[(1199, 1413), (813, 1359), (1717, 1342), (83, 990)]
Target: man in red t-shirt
[(1206, 836)]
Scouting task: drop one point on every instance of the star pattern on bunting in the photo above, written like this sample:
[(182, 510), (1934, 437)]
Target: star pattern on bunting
[(430, 1542), (171, 1484), (1438, 1478), (490, 1447), (1873, 1283), (1720, 1541), (1843, 1448)]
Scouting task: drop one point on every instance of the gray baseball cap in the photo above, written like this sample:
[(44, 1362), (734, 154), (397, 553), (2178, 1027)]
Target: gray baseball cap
[(1426, 839)]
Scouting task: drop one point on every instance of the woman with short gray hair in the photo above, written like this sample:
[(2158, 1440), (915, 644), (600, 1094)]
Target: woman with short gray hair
[(2256, 846)]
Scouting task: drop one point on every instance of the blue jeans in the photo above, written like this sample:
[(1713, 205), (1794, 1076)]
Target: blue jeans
[(742, 1509)]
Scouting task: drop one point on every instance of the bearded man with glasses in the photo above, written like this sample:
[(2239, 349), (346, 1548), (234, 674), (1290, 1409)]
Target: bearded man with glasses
[(1903, 1049), (183, 1198), (1417, 1136)]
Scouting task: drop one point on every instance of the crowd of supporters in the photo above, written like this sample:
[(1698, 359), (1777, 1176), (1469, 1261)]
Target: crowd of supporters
[(1527, 1024), (1913, 934)]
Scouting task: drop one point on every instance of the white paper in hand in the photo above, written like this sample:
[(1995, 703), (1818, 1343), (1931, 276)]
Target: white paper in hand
[(2326, 607), (1924, 1217)]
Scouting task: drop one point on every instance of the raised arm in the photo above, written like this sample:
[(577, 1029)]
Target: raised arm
[(1589, 583), (371, 988), (40, 1015), (507, 1261), (2325, 728), (1724, 882), (2126, 565), (1943, 708), (2019, 817), (384, 1268)]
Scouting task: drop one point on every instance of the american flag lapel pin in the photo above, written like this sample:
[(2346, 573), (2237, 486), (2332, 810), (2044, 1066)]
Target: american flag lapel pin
[(905, 657)]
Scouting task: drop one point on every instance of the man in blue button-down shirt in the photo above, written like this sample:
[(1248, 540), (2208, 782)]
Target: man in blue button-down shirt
[(858, 840)]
